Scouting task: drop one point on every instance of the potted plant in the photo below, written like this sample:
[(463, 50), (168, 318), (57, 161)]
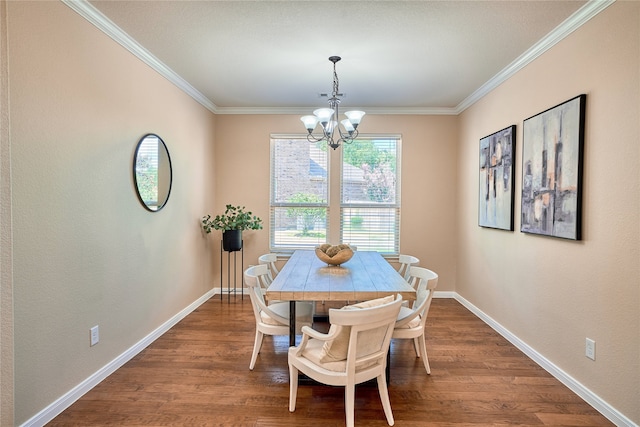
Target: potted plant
[(231, 223)]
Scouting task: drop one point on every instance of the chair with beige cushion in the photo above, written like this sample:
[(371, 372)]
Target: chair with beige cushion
[(406, 262), (272, 319), (352, 352), (411, 321)]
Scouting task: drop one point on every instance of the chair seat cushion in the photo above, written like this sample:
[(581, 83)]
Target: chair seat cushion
[(265, 318), (405, 312), (304, 312), (336, 350), (313, 352)]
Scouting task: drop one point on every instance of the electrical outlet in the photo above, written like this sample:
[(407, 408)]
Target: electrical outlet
[(590, 349), (95, 335)]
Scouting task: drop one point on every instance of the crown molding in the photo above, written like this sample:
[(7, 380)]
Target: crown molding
[(572, 23), (94, 16), (581, 16), (305, 110)]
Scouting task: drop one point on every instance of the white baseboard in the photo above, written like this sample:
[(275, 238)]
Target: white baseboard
[(587, 395), (444, 294), (226, 292), (53, 410)]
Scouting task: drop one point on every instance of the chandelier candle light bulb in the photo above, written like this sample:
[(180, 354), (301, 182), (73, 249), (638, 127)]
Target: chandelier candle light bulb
[(327, 117)]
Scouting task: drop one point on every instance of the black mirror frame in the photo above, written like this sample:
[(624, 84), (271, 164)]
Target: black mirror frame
[(135, 179)]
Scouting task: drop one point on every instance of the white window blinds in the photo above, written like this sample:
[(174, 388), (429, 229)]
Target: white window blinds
[(370, 194), (299, 194), (369, 211)]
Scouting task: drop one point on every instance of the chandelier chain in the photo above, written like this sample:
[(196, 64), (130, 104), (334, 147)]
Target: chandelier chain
[(335, 81)]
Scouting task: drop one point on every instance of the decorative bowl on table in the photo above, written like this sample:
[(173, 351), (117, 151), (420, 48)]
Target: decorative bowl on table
[(334, 254)]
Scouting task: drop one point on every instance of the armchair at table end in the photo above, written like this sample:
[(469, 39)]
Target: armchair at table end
[(412, 321), (352, 352)]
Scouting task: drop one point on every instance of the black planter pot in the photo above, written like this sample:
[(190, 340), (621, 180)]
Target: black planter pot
[(232, 240)]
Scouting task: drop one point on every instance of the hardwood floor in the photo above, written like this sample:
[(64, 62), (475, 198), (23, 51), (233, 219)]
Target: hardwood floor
[(197, 374)]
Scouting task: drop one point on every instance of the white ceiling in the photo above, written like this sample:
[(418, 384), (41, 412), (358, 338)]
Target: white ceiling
[(397, 56)]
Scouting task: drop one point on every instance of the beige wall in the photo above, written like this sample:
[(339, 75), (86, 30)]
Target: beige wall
[(429, 157), (553, 293), (85, 251), (6, 262)]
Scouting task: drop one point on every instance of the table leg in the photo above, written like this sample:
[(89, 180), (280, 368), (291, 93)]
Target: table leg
[(292, 323)]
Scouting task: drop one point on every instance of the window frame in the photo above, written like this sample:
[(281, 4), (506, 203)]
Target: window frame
[(334, 180)]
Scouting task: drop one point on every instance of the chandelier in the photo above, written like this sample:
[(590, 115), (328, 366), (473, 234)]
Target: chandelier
[(327, 117)]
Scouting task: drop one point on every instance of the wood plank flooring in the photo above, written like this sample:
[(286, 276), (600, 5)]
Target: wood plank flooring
[(197, 374)]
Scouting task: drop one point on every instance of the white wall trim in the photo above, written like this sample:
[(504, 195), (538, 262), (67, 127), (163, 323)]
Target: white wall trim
[(431, 111), (104, 24), (444, 294), (54, 409), (572, 23), (587, 395), (581, 16)]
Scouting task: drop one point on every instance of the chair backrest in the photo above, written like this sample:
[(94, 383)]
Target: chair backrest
[(261, 272), (270, 261), (425, 282), (406, 262), (420, 275), (371, 331)]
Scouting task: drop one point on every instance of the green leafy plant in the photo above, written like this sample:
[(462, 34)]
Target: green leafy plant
[(234, 218), (356, 221), (147, 180), (308, 215)]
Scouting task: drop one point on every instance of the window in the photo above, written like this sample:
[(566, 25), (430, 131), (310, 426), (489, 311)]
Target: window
[(299, 194), (370, 194), (366, 189)]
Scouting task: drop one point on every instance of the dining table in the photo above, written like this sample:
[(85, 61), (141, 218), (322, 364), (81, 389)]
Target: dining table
[(366, 276)]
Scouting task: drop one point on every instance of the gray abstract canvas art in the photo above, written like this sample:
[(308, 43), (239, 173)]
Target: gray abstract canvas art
[(495, 195), (552, 170)]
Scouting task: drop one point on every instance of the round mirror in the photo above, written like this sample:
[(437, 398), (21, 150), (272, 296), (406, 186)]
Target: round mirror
[(152, 172)]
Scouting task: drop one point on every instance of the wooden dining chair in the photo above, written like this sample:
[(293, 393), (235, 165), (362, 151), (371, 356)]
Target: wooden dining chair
[(270, 261), (272, 319), (261, 272), (412, 320), (352, 352), (406, 262)]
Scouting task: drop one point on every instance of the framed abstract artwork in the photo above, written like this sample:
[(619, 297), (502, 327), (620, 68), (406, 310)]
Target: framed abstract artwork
[(496, 192), (552, 152)]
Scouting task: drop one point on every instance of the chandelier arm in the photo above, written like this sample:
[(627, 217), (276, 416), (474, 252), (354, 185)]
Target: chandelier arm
[(348, 137), (313, 138)]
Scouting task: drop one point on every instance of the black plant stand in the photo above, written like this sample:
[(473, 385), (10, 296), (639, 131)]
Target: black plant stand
[(235, 272)]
